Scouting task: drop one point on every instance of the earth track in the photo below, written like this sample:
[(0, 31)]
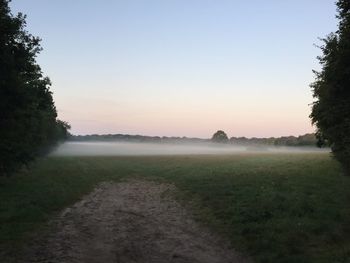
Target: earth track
[(130, 222)]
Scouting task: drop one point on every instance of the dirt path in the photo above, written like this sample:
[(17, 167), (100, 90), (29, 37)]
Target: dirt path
[(130, 222)]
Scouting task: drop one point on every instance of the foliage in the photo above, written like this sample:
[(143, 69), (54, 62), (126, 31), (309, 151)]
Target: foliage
[(28, 125), (274, 207), (331, 88), (220, 137), (308, 139), (132, 138)]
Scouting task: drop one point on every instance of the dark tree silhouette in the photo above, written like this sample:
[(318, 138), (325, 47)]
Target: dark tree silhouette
[(331, 88), (28, 124), (220, 137)]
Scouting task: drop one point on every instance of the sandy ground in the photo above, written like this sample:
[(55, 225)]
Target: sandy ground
[(129, 222)]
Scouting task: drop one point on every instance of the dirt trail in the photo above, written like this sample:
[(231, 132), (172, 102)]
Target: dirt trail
[(130, 222)]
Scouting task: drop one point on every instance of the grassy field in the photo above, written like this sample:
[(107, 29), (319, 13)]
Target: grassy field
[(274, 207)]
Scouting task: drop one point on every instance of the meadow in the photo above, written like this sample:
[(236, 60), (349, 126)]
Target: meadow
[(275, 207)]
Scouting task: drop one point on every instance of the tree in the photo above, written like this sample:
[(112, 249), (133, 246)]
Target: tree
[(28, 125), (331, 88), (220, 137)]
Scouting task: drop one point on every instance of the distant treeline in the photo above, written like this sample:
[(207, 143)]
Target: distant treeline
[(303, 140), (308, 139), (135, 138)]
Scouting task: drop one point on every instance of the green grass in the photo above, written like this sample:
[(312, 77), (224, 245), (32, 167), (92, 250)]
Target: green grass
[(274, 207)]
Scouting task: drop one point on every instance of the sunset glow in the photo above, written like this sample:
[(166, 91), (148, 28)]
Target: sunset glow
[(181, 68)]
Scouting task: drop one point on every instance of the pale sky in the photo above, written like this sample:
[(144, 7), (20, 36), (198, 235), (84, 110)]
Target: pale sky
[(181, 67)]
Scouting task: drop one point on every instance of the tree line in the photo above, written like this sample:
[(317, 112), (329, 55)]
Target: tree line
[(135, 138), (218, 137), (28, 118), (331, 89), (308, 139)]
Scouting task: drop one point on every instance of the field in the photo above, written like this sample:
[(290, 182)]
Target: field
[(273, 207)]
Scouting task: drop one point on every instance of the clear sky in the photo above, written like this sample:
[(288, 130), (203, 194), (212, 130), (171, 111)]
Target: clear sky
[(181, 67)]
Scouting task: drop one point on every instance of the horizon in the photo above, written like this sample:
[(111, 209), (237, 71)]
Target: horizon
[(188, 137), (184, 68)]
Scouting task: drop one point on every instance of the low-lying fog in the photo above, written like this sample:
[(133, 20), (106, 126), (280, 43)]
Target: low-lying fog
[(127, 149)]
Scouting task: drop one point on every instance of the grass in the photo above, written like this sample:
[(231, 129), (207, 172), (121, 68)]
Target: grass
[(274, 207)]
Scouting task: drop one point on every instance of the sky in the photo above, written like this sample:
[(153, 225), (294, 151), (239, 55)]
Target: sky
[(181, 67)]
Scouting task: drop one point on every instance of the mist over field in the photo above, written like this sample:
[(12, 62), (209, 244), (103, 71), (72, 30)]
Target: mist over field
[(130, 148)]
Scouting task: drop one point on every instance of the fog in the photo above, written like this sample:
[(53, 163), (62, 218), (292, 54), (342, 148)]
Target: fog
[(129, 149)]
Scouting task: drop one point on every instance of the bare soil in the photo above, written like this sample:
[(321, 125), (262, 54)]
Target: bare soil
[(130, 222)]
